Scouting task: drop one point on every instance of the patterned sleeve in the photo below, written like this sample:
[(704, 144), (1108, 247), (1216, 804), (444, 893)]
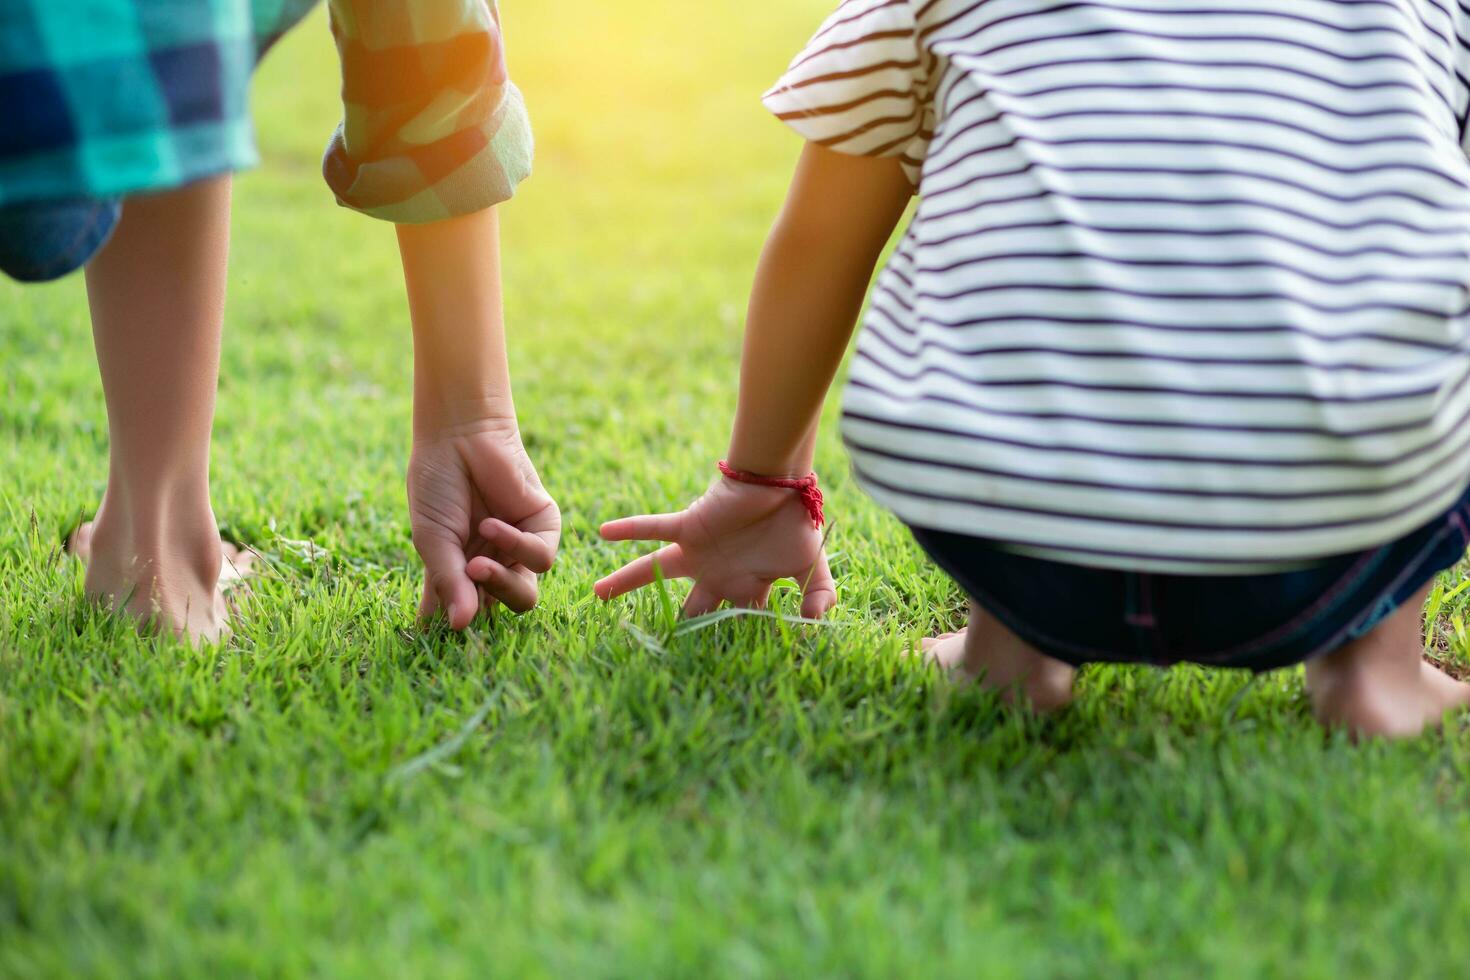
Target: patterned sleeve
[(861, 85), (432, 126)]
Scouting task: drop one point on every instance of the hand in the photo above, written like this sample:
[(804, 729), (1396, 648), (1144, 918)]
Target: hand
[(734, 542), (482, 523)]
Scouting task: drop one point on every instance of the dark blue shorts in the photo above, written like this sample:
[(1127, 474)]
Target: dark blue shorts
[(45, 240), (1258, 622)]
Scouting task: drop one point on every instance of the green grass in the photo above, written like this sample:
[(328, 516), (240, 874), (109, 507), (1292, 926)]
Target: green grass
[(578, 792)]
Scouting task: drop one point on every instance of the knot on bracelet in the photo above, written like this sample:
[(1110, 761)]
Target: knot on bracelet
[(806, 488)]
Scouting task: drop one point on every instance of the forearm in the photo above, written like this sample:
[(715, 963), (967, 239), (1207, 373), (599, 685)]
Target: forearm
[(795, 337), (808, 292), (452, 272)]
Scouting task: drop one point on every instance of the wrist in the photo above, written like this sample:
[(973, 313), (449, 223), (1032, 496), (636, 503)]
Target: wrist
[(806, 487), (755, 448), (776, 471), (461, 409), (784, 466)]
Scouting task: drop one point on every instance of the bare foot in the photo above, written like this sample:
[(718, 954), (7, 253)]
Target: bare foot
[(236, 563), (945, 651), (168, 591), (991, 655), (1380, 685)]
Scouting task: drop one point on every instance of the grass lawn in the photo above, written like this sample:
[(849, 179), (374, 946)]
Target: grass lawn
[(588, 791)]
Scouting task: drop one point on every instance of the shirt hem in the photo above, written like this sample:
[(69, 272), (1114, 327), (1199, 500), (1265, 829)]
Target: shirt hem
[(972, 520)]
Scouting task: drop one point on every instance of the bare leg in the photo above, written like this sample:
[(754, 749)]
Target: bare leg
[(1381, 684), (990, 654), (157, 296)]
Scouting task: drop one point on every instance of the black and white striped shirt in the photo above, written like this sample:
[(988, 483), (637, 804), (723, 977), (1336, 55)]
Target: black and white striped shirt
[(1188, 285)]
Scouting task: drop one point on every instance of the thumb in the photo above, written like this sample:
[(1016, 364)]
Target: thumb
[(819, 594), (447, 584)]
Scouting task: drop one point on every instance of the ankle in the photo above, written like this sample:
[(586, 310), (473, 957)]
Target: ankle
[(1374, 662), (1049, 686), (160, 541)]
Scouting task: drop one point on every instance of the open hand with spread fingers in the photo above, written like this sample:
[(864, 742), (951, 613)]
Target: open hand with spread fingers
[(734, 543)]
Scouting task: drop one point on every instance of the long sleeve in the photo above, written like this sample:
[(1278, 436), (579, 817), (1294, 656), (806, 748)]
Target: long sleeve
[(432, 126)]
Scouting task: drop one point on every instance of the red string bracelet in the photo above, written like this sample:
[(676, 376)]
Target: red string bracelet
[(811, 494)]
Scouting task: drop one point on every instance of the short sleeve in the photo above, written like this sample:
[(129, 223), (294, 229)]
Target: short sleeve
[(432, 126), (861, 85)]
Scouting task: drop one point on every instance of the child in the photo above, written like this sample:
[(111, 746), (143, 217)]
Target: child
[(1171, 362), (122, 122)]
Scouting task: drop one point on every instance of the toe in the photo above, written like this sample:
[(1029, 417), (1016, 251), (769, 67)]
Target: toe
[(930, 642), (947, 652), (1446, 693), (237, 565), (79, 543)]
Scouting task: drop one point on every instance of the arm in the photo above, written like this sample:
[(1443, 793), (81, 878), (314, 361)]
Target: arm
[(737, 539), (452, 273), (433, 137), (809, 289), (482, 522)]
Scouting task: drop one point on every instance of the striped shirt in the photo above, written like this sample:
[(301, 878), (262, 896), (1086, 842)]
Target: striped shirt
[(1188, 284)]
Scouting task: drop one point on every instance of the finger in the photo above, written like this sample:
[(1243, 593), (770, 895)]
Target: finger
[(515, 589), (518, 546), (640, 572), (701, 600), (448, 587), (649, 527), (819, 594), (546, 525), (753, 593)]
